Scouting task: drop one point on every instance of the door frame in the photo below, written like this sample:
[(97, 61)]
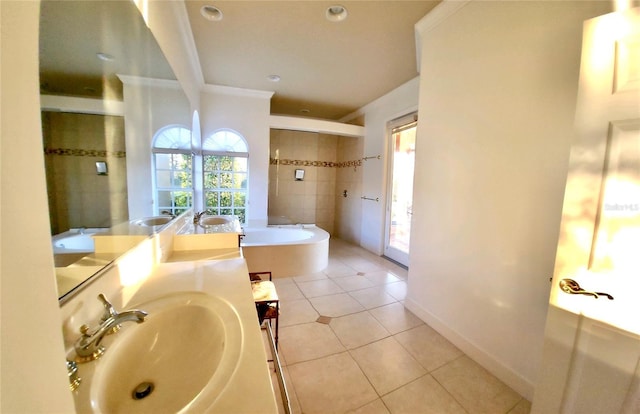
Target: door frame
[(411, 116)]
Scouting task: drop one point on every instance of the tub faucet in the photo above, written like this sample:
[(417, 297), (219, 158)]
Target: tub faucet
[(88, 347)]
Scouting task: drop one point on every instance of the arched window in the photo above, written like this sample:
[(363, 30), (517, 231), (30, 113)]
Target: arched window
[(225, 168), (173, 170)]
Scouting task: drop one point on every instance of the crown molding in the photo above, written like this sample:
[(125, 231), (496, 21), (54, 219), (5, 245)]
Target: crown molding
[(433, 19), (232, 91), (142, 81), (315, 125), (73, 104)]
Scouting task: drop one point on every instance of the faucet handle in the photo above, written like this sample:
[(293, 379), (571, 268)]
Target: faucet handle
[(109, 312), (108, 307), (72, 373)]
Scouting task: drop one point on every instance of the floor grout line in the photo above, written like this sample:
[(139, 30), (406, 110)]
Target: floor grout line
[(339, 257)]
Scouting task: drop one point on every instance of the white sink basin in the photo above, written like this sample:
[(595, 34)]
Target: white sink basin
[(152, 221), (214, 220), (178, 360), (220, 224)]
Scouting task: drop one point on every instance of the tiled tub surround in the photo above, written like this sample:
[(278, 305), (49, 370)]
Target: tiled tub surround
[(78, 196), (321, 156), (348, 345)]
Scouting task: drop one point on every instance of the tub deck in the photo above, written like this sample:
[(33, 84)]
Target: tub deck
[(302, 254)]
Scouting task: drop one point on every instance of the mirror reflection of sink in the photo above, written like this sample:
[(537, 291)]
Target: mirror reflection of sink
[(152, 221), (213, 220), (180, 358), (220, 224)]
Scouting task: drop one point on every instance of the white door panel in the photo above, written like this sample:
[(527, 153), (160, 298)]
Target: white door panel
[(592, 343)]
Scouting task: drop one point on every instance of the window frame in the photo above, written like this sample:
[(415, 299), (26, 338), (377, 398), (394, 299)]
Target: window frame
[(177, 148), (211, 149)]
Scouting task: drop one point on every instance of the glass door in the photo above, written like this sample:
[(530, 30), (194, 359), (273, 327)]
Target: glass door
[(402, 141)]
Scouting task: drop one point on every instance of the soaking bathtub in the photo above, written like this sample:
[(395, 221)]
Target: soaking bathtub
[(75, 241), (285, 251)]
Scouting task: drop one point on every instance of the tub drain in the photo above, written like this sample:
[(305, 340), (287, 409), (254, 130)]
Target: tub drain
[(142, 390)]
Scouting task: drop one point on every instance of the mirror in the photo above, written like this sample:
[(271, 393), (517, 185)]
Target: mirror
[(84, 45)]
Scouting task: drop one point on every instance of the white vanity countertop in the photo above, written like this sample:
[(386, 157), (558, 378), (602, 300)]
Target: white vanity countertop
[(250, 389)]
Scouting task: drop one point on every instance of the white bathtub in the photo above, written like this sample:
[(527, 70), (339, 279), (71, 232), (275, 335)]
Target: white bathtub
[(75, 241), (286, 250)]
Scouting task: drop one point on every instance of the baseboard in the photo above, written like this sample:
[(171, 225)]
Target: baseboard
[(514, 380)]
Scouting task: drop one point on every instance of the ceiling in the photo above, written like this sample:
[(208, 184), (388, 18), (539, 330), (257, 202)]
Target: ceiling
[(327, 69), (73, 32)]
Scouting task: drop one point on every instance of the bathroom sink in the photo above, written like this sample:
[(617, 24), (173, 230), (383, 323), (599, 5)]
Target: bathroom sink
[(220, 224), (214, 220), (178, 360), (152, 221)]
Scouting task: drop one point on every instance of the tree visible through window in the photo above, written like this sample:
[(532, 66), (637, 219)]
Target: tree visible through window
[(225, 159), (173, 170)]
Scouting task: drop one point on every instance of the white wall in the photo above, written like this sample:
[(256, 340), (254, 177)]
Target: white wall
[(401, 101), (148, 106), (246, 112), (497, 95), (33, 373)]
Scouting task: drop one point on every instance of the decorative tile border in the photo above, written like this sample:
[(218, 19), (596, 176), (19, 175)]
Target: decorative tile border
[(84, 152), (307, 163)]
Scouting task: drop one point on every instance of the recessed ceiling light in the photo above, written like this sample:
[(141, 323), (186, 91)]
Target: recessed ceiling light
[(211, 13), (274, 78), (336, 13), (105, 56)]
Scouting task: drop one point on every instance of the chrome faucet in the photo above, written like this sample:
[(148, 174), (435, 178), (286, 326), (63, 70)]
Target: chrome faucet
[(196, 216), (88, 347)]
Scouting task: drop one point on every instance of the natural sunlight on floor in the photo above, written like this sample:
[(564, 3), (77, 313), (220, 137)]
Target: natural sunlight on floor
[(368, 354)]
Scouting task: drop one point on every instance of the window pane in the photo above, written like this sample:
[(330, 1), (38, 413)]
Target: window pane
[(163, 178), (226, 212), (182, 198), (226, 163), (226, 180), (182, 162), (240, 180), (173, 137), (210, 163), (225, 140), (210, 180), (225, 183), (240, 164), (239, 199), (163, 161), (225, 199), (164, 199), (211, 199), (181, 179)]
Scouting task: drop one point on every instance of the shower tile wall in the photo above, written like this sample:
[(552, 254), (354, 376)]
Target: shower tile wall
[(349, 177), (311, 200), (78, 197), (329, 163)]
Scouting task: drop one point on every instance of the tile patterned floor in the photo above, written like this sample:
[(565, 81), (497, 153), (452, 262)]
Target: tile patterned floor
[(368, 354)]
